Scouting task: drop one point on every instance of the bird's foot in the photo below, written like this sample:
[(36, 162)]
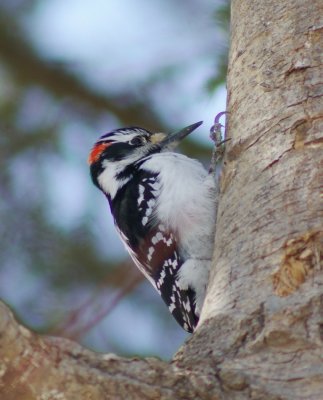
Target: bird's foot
[(216, 136)]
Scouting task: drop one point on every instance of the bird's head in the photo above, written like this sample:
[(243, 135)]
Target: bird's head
[(117, 150)]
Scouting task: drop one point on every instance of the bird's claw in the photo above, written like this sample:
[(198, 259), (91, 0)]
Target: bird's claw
[(216, 136), (215, 130)]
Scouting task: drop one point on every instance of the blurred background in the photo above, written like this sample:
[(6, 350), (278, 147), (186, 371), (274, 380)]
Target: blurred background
[(69, 72)]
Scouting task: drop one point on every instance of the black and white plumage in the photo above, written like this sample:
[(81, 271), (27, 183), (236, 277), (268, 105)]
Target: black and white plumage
[(164, 205)]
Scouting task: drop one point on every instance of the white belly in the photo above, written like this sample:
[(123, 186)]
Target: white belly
[(187, 202)]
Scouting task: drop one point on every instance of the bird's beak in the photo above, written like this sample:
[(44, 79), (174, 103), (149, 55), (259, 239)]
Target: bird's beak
[(173, 139)]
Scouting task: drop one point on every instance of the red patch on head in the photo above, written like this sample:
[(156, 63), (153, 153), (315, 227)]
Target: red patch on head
[(97, 151)]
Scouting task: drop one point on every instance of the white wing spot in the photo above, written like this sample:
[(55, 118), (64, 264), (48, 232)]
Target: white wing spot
[(141, 194), (174, 264), (161, 227), (151, 251), (187, 306), (157, 238), (161, 279), (171, 307)]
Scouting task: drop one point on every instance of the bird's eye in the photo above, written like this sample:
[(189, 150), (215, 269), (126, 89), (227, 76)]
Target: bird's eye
[(138, 140)]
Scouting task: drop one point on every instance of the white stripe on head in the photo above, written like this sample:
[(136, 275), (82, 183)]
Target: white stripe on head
[(124, 134)]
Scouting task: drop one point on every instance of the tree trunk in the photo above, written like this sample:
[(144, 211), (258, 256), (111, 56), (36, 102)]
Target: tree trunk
[(261, 331)]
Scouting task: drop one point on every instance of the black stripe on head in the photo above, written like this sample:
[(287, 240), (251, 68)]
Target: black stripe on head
[(117, 151), (95, 170)]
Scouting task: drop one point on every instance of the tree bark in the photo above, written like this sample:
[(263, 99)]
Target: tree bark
[(261, 331)]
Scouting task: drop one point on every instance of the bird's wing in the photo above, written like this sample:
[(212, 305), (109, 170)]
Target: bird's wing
[(152, 246)]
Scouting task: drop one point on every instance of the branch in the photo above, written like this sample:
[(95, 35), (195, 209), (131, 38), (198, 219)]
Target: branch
[(44, 367)]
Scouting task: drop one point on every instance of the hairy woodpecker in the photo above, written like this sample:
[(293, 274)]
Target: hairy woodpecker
[(164, 207)]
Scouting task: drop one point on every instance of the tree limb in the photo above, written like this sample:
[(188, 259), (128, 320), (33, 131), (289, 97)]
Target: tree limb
[(43, 367)]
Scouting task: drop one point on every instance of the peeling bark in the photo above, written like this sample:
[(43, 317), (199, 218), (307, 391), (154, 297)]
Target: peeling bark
[(261, 331)]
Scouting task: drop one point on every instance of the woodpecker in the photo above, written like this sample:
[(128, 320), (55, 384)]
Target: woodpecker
[(164, 207)]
